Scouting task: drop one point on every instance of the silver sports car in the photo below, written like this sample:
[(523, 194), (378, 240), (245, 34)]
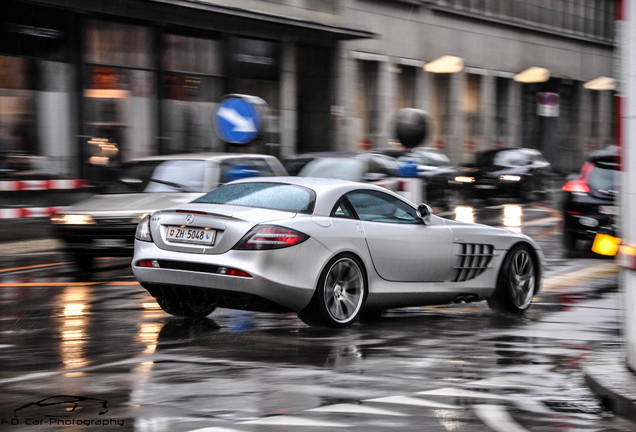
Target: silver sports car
[(327, 250)]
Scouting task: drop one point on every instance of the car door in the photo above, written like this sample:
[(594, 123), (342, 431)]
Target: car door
[(402, 247)]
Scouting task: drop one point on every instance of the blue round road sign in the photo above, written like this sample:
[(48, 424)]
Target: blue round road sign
[(237, 120)]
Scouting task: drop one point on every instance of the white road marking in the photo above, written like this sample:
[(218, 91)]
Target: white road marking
[(357, 409), (451, 391), (407, 400), (293, 421), (497, 418)]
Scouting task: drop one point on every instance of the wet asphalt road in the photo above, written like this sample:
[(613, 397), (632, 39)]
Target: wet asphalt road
[(94, 352)]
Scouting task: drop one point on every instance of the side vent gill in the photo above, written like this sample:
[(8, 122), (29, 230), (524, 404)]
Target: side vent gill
[(472, 260)]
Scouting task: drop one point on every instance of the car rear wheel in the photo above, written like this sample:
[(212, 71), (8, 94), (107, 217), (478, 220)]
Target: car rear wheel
[(188, 303), (339, 294), (517, 281)]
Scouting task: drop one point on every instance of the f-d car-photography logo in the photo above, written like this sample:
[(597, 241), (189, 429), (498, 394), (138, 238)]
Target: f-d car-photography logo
[(63, 410)]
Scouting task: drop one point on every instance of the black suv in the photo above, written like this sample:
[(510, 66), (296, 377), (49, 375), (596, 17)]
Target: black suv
[(589, 205)]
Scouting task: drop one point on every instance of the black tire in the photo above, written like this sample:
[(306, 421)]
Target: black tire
[(517, 282), (83, 261), (183, 302), (569, 241), (339, 295)]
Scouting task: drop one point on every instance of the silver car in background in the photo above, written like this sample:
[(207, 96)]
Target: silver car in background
[(104, 224), (327, 250)]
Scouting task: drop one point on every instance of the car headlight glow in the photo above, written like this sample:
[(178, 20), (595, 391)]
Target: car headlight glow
[(465, 179), (510, 177), (73, 219), (138, 218)]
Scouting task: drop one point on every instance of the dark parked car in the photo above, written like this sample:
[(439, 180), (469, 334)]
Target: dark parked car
[(364, 167), (508, 172), (437, 171), (589, 205)]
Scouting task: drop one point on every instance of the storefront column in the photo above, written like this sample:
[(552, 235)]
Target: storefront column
[(288, 97), (387, 84), (454, 138), (488, 109), (515, 103)]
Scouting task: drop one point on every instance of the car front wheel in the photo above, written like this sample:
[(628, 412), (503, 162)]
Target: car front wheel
[(517, 281), (339, 294)]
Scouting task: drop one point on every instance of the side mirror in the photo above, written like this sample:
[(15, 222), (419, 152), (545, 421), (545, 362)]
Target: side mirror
[(424, 212)]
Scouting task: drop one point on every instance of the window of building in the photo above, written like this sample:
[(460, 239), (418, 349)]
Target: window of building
[(119, 95), (192, 85), (587, 18), (406, 76), (502, 90), (367, 102)]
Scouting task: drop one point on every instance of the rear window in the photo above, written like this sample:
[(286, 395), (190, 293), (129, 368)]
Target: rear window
[(603, 176), (273, 196)]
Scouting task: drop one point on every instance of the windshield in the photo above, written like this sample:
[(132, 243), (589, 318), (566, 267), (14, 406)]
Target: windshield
[(337, 168), (272, 196), (510, 158), (159, 176)]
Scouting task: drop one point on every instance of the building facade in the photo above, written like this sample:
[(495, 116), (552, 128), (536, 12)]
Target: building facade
[(88, 84)]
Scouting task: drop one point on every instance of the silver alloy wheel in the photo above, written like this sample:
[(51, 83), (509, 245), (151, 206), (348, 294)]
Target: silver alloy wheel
[(344, 290), (522, 278)]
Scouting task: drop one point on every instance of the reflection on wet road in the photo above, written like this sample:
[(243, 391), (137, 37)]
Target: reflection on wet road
[(103, 341)]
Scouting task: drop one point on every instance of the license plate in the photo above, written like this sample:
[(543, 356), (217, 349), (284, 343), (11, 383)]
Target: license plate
[(608, 209), (489, 187), (190, 235)]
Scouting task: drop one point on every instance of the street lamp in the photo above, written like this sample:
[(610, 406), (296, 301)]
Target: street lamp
[(533, 74), (445, 64)]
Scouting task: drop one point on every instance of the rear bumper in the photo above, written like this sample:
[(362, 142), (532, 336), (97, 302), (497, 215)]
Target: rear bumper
[(275, 275)]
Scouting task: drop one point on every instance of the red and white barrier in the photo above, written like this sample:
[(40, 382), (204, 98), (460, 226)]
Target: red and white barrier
[(28, 212), (38, 185)]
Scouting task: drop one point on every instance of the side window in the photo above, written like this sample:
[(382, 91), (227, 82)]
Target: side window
[(342, 210), (376, 206), (261, 166)]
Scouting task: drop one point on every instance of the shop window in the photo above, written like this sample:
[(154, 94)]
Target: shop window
[(501, 107), (367, 103), (192, 85), (118, 44), (17, 131)]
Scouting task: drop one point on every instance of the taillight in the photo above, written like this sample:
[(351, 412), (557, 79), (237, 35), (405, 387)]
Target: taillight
[(264, 237), (143, 230), (576, 186)]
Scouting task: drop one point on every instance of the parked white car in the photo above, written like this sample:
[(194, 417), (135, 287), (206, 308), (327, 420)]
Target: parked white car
[(104, 224)]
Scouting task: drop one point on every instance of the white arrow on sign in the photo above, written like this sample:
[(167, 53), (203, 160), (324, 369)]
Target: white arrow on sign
[(241, 124)]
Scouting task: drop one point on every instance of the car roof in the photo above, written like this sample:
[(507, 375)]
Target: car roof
[(213, 156), (328, 154), (323, 187)]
